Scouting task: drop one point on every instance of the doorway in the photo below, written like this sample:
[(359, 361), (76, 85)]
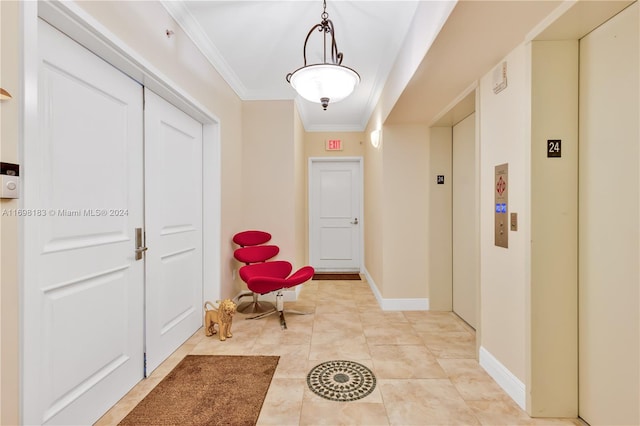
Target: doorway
[(335, 214)]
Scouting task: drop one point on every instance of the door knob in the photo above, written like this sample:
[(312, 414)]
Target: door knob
[(140, 248), (355, 222)]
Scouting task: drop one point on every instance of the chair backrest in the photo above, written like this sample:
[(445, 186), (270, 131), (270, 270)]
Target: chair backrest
[(255, 254), (251, 238)]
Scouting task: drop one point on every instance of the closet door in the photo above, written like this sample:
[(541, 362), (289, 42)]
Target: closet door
[(173, 218), (82, 195)]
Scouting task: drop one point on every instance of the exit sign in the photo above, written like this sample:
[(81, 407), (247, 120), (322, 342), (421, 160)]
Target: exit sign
[(334, 145)]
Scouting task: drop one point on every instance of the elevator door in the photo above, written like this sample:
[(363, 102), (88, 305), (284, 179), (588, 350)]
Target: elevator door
[(609, 356), (465, 230)]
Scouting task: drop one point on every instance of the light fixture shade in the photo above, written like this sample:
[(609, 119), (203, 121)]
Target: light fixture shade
[(315, 82)]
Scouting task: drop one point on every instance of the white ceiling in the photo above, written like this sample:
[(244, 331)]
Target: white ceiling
[(428, 62), (255, 44)]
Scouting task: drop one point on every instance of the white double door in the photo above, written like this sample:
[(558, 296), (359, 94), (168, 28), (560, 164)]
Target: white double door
[(104, 164)]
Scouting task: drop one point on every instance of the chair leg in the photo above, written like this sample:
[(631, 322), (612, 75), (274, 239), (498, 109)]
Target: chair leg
[(264, 314), (279, 308)]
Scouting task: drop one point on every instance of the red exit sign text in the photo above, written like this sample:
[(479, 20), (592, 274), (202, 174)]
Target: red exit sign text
[(334, 145)]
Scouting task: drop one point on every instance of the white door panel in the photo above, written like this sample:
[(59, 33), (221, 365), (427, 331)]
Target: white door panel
[(83, 186), (335, 215), (173, 205)]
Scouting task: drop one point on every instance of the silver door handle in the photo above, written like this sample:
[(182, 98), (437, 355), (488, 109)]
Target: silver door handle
[(140, 248), (355, 222)]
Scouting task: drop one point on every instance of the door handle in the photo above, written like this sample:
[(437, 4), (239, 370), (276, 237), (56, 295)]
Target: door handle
[(140, 248), (355, 222)]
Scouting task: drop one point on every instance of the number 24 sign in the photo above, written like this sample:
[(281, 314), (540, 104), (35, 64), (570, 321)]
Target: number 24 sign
[(554, 148)]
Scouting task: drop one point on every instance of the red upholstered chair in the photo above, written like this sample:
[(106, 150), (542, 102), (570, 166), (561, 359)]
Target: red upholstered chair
[(268, 277), (253, 250)]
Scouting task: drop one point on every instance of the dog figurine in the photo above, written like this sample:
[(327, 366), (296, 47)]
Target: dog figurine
[(223, 316)]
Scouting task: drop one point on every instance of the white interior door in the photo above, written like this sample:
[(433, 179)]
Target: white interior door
[(609, 244), (465, 249), (173, 218), (83, 294), (334, 209)]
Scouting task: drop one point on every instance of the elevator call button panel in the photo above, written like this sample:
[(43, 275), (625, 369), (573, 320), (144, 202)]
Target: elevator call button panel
[(501, 195)]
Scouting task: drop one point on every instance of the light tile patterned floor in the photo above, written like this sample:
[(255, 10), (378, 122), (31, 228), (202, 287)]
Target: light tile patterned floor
[(424, 363)]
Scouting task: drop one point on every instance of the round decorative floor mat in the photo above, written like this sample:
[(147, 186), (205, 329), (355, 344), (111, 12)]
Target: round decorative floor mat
[(341, 380)]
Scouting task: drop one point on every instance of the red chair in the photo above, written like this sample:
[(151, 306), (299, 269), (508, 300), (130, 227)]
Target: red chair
[(268, 277), (253, 250)]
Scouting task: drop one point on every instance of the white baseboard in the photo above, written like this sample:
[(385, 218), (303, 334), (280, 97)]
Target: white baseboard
[(396, 304), (505, 378)]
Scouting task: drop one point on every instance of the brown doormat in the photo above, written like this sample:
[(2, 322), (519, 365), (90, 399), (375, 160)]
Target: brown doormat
[(333, 276), (208, 390)]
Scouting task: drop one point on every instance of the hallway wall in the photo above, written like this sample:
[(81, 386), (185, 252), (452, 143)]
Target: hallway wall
[(268, 178), (504, 138), (9, 290), (406, 167)]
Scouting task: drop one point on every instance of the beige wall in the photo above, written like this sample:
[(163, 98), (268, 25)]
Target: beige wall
[(353, 144), (405, 208), (9, 291), (397, 242), (552, 323), (440, 220), (504, 139), (373, 206), (269, 169), (300, 183)]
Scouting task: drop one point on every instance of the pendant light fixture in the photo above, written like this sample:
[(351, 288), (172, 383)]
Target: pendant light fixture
[(327, 81)]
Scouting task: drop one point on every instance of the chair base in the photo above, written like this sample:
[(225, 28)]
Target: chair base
[(279, 308), (255, 306)]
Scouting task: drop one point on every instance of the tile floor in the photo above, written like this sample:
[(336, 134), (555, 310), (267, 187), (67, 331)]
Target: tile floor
[(424, 363)]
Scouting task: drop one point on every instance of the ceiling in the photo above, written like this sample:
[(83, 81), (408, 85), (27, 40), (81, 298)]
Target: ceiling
[(430, 53), (255, 44)]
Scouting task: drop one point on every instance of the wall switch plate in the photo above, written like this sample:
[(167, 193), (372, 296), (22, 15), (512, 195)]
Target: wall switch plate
[(514, 221), (10, 186)]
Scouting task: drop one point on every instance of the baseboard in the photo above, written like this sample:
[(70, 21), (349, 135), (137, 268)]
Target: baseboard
[(505, 378), (396, 304)]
